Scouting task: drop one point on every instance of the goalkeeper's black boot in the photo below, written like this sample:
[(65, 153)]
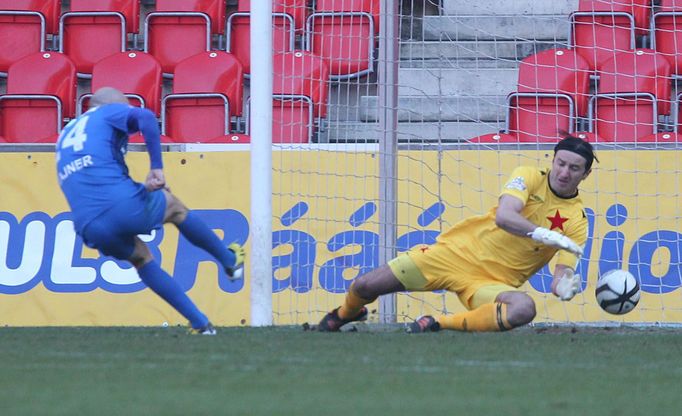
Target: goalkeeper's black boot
[(426, 323), (332, 322)]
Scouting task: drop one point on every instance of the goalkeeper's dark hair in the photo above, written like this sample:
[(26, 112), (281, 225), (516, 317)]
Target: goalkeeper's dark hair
[(578, 146)]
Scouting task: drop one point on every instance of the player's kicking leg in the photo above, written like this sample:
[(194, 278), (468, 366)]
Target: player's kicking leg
[(114, 233), (364, 290), (197, 232), (168, 288)]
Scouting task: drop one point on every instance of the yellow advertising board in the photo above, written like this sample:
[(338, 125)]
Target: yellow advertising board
[(325, 223)]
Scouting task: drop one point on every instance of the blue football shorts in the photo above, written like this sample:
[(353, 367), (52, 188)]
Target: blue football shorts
[(113, 233)]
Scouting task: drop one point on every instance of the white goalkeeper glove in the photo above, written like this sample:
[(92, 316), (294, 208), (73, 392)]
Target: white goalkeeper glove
[(568, 286), (555, 239)]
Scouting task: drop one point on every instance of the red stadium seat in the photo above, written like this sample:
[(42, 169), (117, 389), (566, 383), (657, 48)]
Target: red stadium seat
[(513, 138), (137, 138), (601, 28), (300, 88), (666, 37), (553, 88), (634, 90), (49, 9), (639, 9), (238, 36), (587, 136), (136, 74), (367, 6), (95, 29), (297, 9), (130, 9), (207, 93), (214, 9), (179, 29), (344, 38), (232, 138), (41, 90), (661, 138), (24, 25), (495, 138)]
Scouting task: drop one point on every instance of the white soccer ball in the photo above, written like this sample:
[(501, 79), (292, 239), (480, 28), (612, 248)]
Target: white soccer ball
[(617, 291)]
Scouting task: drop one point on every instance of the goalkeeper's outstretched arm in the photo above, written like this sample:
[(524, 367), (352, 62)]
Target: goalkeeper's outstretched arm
[(509, 218)]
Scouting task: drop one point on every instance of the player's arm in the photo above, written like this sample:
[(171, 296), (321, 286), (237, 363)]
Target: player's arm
[(143, 121), (513, 199), (565, 283), (509, 218)]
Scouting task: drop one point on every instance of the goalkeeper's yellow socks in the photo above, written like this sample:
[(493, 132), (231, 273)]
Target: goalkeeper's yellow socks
[(488, 317), (352, 304)]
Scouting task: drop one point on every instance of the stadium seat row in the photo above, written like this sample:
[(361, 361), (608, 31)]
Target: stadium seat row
[(205, 101), (633, 93), (553, 91), (600, 27), (341, 31), (652, 139)]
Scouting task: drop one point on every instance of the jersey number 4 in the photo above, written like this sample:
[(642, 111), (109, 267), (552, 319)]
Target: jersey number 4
[(76, 136)]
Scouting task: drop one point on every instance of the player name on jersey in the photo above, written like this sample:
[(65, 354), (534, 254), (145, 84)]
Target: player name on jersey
[(74, 166)]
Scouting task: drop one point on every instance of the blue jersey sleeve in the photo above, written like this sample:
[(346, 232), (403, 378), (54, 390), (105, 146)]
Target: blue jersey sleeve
[(143, 121)]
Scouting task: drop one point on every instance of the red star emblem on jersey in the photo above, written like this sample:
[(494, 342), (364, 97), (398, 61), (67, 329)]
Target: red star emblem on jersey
[(424, 248), (557, 221)]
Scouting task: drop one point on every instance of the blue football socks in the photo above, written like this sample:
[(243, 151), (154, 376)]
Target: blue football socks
[(163, 285), (198, 233)]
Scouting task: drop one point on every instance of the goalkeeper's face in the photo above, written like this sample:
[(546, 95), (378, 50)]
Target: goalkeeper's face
[(568, 170)]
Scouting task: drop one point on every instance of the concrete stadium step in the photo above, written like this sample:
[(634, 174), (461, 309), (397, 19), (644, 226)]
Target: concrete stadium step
[(494, 19), (445, 94), (484, 54), (352, 132), (523, 28), (496, 7), (456, 81), (448, 108)]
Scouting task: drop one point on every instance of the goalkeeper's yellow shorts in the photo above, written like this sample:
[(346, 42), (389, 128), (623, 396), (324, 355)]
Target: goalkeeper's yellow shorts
[(432, 268)]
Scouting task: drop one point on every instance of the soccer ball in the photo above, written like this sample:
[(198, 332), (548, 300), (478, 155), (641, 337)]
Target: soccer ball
[(617, 292)]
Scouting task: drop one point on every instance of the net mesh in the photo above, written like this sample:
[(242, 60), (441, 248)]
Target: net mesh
[(482, 88)]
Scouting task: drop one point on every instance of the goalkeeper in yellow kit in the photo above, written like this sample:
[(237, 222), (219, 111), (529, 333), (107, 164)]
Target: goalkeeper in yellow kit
[(485, 259)]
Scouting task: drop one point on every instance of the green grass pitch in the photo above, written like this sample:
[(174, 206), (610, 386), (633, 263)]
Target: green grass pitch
[(287, 371)]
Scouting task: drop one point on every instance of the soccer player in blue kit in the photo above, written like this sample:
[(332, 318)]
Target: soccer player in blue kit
[(110, 209)]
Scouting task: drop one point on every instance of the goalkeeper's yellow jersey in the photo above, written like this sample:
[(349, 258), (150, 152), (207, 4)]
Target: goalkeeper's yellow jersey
[(513, 259)]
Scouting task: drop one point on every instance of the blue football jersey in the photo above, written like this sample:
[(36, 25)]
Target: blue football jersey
[(90, 161)]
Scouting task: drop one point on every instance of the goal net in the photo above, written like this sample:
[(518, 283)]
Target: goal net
[(389, 131)]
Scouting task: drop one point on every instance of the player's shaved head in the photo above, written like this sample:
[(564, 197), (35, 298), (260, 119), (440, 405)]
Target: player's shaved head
[(107, 95)]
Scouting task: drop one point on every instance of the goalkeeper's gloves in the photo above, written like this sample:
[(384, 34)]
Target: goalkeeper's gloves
[(555, 239), (567, 286)]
